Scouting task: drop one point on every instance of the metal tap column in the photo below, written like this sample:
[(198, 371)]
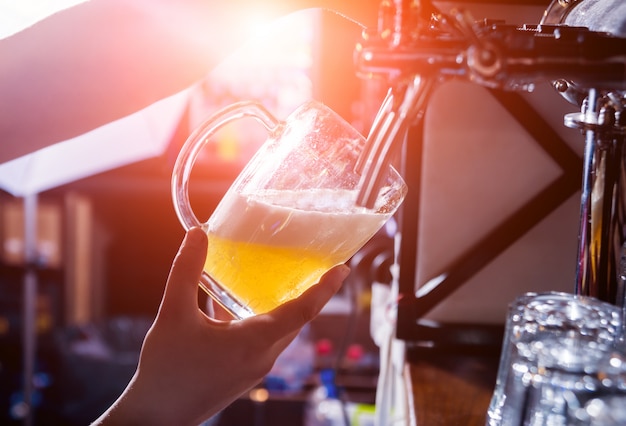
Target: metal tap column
[(603, 198)]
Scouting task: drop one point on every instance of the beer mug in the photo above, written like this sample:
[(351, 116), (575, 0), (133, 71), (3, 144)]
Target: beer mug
[(554, 345), (291, 214)]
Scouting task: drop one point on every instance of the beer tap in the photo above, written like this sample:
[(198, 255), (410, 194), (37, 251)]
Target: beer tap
[(404, 104), (602, 121), (417, 46)]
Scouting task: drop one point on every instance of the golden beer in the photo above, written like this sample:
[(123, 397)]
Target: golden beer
[(265, 253)]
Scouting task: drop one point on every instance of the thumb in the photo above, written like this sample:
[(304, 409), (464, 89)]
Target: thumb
[(181, 290)]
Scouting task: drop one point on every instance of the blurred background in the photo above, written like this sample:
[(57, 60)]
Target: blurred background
[(106, 235)]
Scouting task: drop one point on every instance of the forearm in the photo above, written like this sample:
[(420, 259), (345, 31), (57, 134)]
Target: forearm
[(105, 59)]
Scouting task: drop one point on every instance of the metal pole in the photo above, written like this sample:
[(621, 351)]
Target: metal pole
[(29, 336), (603, 201)]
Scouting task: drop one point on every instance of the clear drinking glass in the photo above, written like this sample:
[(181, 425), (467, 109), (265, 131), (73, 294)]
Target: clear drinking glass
[(607, 405), (291, 214), (554, 344)]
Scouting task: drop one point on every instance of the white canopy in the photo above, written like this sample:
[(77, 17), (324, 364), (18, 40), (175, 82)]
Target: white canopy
[(136, 137)]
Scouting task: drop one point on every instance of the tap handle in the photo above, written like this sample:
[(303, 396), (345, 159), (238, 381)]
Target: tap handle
[(404, 106)]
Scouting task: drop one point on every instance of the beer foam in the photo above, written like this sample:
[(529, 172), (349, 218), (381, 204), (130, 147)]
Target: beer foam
[(313, 218)]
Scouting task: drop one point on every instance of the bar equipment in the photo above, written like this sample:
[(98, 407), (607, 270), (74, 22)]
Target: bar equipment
[(579, 46), (417, 46)]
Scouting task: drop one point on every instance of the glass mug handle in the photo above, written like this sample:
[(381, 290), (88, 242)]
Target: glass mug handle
[(198, 140)]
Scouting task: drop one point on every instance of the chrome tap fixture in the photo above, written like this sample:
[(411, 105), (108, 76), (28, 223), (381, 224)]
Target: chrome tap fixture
[(575, 46)]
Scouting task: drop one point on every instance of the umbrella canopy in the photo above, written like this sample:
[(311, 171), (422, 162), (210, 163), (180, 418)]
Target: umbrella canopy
[(136, 137), (15, 16), (139, 136), (271, 67)]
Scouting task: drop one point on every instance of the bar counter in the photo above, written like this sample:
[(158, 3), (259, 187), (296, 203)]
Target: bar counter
[(452, 385)]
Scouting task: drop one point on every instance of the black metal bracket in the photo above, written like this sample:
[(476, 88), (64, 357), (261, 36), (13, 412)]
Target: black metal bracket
[(411, 309)]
